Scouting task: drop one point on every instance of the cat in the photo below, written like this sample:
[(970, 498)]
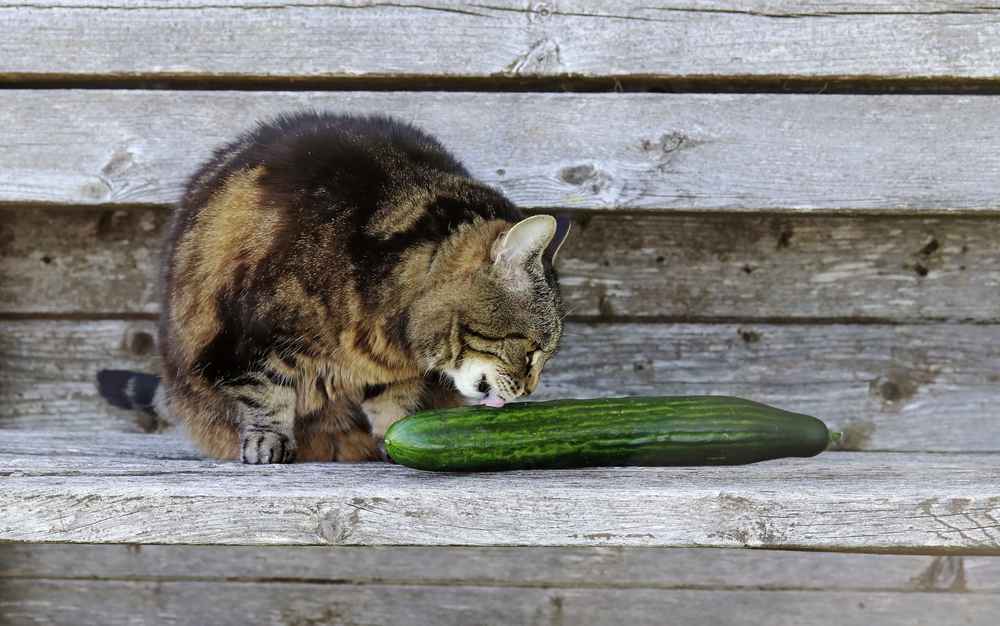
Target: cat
[(326, 275)]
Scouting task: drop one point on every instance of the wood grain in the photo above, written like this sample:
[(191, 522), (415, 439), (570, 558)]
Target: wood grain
[(106, 261), (46, 602), (501, 39), (50, 368), (888, 387), (80, 261), (691, 152), (783, 267), (57, 488), (618, 567)]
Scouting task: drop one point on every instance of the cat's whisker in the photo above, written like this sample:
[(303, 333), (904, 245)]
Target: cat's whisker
[(569, 311)]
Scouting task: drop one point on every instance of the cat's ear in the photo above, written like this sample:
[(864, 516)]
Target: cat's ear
[(558, 239), (526, 239)]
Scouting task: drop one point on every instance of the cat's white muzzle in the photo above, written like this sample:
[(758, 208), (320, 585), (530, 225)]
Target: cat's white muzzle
[(469, 378)]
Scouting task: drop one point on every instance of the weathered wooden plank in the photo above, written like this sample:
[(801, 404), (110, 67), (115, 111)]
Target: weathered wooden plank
[(50, 368), (886, 387), (51, 602), (122, 448), (72, 261), (607, 151), (105, 261), (505, 38), (621, 567), (84, 492), (905, 387), (981, 573), (783, 267)]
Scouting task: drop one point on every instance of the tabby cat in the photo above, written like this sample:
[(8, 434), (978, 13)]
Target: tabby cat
[(326, 275)]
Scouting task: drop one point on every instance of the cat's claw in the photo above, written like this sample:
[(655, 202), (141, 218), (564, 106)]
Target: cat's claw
[(265, 446)]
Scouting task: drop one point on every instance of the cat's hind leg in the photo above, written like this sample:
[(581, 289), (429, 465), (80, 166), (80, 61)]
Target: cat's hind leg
[(388, 404), (385, 404), (338, 431)]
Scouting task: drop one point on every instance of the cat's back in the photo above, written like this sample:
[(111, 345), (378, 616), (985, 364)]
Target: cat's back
[(299, 218), (355, 181), (322, 161)]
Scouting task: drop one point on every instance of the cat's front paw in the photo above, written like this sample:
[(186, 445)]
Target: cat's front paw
[(266, 446)]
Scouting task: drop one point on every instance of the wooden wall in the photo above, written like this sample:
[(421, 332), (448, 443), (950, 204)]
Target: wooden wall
[(791, 201), (797, 202)]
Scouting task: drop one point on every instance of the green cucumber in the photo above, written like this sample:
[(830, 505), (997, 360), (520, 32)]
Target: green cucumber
[(686, 430)]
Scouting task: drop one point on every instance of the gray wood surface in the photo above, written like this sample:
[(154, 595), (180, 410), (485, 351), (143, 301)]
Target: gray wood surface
[(105, 262), (909, 387), (500, 39), (79, 261), (617, 567), (97, 488), (903, 154), (889, 387), (981, 573), (43, 602), (49, 371)]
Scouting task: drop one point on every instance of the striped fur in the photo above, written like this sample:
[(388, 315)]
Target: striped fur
[(323, 275)]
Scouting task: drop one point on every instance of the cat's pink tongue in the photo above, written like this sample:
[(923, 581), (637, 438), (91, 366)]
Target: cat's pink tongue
[(492, 400)]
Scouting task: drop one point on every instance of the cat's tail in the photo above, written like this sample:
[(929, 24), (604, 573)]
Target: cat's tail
[(132, 391)]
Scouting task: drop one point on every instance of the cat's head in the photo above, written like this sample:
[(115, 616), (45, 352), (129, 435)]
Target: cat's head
[(503, 321)]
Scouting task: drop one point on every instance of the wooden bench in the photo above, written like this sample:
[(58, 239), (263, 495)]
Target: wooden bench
[(793, 202)]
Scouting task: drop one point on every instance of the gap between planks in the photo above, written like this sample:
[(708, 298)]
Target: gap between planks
[(564, 83)]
